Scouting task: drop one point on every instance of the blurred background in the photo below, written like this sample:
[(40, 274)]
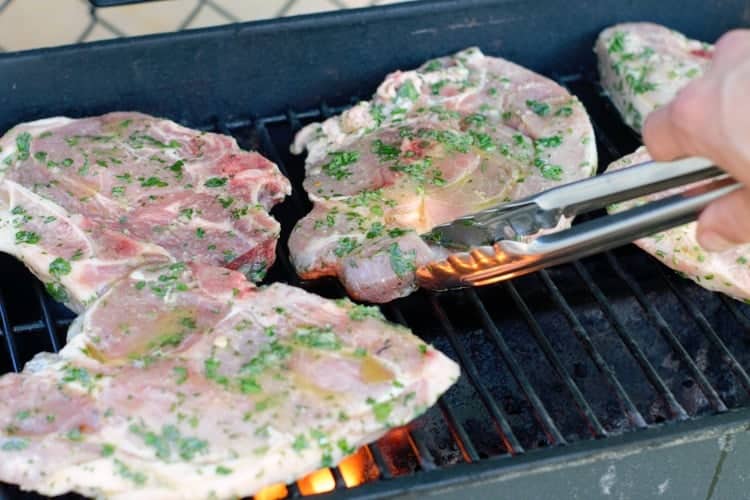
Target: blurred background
[(31, 24)]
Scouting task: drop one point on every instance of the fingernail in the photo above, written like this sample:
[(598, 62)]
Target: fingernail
[(714, 242)]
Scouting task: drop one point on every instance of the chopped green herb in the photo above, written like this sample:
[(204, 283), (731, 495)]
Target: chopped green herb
[(436, 87), (385, 152), (408, 91), (381, 410), (118, 191), (249, 385), (23, 144), (215, 182), (77, 374), (107, 450), (360, 352), (28, 237), (475, 119), (540, 108), (59, 267), (345, 246), (402, 263), (57, 291), (396, 232), (15, 444), (181, 373), (318, 338), (432, 65), (336, 168), (300, 443), (200, 232), (360, 312), (549, 142), (176, 167), (153, 182), (74, 434), (226, 202), (376, 229), (223, 471), (564, 111), (617, 44)]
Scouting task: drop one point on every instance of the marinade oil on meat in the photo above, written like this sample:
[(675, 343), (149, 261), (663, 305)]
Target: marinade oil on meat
[(459, 134)]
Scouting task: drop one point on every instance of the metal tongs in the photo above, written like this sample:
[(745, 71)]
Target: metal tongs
[(489, 243)]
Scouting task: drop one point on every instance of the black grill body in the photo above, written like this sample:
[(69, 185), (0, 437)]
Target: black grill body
[(609, 377)]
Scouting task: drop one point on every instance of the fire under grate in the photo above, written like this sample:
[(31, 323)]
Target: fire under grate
[(613, 344)]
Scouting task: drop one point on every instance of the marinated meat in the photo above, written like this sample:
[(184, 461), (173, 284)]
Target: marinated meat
[(642, 66), (727, 272), (187, 381), (459, 134), (83, 202)]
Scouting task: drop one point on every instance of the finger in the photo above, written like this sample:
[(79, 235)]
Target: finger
[(731, 48), (678, 129), (659, 135), (724, 223)]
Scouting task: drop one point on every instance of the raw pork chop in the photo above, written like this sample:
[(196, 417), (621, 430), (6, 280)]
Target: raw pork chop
[(678, 248), (187, 381), (460, 134), (642, 66), (83, 202), (667, 62)]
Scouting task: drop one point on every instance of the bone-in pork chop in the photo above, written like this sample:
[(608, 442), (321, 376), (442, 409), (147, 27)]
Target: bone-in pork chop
[(187, 381), (83, 202), (459, 134)]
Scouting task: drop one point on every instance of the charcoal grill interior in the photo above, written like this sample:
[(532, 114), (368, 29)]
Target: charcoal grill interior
[(615, 348)]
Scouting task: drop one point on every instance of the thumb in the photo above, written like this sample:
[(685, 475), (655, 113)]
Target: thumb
[(725, 222)]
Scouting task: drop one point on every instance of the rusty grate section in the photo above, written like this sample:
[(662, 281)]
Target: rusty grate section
[(608, 345)]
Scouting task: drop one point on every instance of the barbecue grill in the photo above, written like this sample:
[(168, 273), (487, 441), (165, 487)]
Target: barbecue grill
[(608, 377)]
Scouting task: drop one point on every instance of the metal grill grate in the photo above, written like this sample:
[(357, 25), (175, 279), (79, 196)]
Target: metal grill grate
[(612, 344)]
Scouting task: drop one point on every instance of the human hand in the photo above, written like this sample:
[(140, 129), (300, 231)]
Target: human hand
[(710, 118)]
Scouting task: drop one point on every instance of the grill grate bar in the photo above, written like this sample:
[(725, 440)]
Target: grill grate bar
[(379, 459), (39, 325), (669, 336), (549, 352), (458, 431), (548, 424), (338, 478), (46, 317), (416, 439), (708, 330), (501, 420), (580, 332), (653, 377), (292, 491), (9, 340), (738, 315)]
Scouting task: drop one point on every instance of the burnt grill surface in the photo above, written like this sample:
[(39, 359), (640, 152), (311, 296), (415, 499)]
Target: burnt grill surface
[(553, 363), (608, 345)]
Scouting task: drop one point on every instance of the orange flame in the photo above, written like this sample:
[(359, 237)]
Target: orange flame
[(358, 468), (318, 482), (275, 492)]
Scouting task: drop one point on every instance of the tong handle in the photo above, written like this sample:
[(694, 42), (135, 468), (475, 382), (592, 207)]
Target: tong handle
[(631, 182)]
